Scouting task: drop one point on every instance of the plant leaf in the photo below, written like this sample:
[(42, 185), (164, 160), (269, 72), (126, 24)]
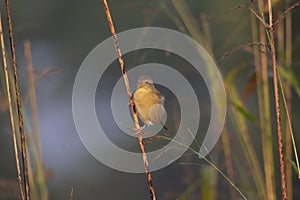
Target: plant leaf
[(244, 112)]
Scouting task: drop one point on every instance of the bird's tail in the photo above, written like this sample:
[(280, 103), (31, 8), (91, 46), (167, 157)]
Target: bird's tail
[(163, 125)]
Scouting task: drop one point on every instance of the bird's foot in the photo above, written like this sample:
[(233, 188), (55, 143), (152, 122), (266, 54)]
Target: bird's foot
[(139, 131)]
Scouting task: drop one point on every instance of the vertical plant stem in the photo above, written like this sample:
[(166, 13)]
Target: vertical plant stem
[(277, 106), (207, 182), (19, 107), (40, 175), (204, 39), (32, 181), (247, 145), (12, 121), (32, 97), (288, 95), (265, 118), (228, 162), (135, 118)]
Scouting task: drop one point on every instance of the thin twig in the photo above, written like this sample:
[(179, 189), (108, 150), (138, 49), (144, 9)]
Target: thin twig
[(242, 46), (12, 121), (237, 7), (259, 18), (208, 161), (287, 11), (135, 118), (251, 10), (19, 109), (277, 106)]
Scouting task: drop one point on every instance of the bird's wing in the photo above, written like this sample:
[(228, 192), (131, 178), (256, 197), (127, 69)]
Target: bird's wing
[(161, 97)]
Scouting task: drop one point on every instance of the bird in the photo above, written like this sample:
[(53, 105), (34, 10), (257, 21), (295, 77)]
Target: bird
[(149, 102)]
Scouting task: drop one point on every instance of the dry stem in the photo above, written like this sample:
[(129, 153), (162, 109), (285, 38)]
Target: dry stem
[(19, 107), (277, 106), (135, 118), (32, 96), (12, 121)]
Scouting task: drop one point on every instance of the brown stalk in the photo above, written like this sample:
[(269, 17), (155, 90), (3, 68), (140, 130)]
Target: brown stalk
[(288, 95), (277, 106), (40, 175), (32, 96), (19, 107), (12, 121), (132, 106), (228, 162), (266, 129)]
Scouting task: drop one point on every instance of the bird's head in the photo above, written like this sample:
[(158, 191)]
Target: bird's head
[(145, 82)]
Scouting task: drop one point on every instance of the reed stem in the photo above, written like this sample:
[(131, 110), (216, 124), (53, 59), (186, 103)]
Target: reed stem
[(12, 120), (19, 107), (132, 106)]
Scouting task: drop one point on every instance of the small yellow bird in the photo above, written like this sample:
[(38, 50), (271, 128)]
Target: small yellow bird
[(149, 102)]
